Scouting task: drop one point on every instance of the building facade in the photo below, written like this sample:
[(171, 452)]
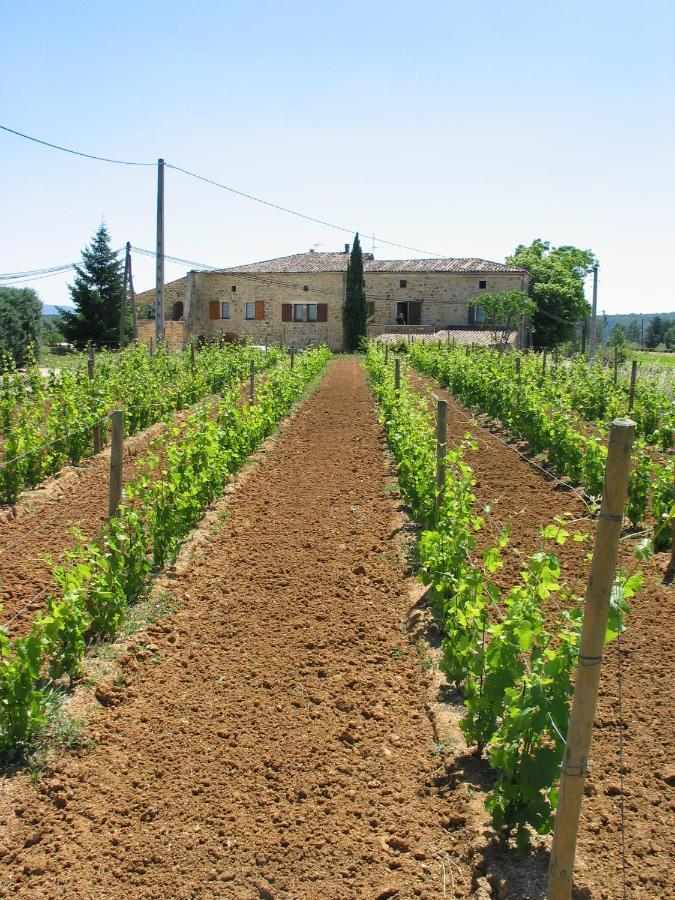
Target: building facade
[(297, 300)]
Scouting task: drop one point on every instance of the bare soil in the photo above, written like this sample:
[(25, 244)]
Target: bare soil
[(641, 668), (271, 739), (37, 532)]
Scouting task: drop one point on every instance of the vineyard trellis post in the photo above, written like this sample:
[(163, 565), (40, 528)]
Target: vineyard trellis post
[(633, 380), (397, 374), (116, 458), (518, 379), (386, 354), (543, 364), (616, 364), (292, 357), (441, 448), (98, 445), (251, 380), (192, 357), (596, 613)]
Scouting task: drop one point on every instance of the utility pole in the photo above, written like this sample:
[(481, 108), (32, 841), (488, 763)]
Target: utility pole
[(123, 305), (594, 326), (132, 295), (159, 280)]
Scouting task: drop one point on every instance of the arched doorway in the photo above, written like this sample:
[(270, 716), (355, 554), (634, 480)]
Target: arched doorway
[(177, 311)]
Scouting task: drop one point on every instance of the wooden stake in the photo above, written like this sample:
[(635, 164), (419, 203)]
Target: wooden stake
[(441, 448), (596, 612), (150, 347), (386, 354), (192, 358), (518, 378), (116, 457), (397, 374), (616, 364), (543, 364), (96, 431), (251, 381), (633, 380)]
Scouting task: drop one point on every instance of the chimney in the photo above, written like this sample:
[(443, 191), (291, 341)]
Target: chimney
[(346, 248), (311, 249)]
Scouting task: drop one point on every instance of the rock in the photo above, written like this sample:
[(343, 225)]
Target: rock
[(669, 776)]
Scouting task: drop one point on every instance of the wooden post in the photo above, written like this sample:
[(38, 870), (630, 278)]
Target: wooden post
[(292, 357), (251, 381), (633, 380), (123, 305), (192, 357), (159, 256), (543, 364), (596, 611), (441, 448), (518, 379), (386, 354), (116, 457), (150, 347), (132, 295), (97, 428), (397, 374), (616, 364)]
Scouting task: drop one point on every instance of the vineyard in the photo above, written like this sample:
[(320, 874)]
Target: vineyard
[(353, 670)]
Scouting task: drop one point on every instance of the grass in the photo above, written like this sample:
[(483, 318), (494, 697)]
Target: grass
[(52, 360), (666, 359)]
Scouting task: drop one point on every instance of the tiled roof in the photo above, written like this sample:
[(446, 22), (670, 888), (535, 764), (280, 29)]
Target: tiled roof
[(299, 263)]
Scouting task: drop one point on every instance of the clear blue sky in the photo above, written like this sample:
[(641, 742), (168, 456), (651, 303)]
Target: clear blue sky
[(465, 128)]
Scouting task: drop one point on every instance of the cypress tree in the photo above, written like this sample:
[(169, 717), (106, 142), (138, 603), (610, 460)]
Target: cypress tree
[(355, 310), (97, 294)]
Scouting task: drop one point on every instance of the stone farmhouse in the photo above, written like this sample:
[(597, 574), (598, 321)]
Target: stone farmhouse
[(297, 300)]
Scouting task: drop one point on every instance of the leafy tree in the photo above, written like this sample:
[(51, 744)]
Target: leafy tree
[(355, 309), (97, 294), (557, 288), (20, 322), (669, 337), (503, 312), (655, 332), (618, 336), (633, 331)]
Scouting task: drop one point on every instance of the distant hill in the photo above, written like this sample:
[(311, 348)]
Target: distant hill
[(626, 318), (49, 310)]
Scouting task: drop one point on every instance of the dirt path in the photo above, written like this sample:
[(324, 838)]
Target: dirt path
[(524, 500), (277, 745), (76, 498)]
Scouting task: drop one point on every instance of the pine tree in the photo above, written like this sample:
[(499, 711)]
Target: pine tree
[(20, 323), (97, 294), (355, 310)]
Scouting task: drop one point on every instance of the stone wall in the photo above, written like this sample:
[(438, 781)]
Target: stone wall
[(445, 302), (445, 296)]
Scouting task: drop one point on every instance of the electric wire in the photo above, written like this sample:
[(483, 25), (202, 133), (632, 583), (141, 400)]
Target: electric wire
[(118, 162)]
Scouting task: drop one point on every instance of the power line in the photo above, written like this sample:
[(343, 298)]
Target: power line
[(224, 187), (118, 162), (294, 212)]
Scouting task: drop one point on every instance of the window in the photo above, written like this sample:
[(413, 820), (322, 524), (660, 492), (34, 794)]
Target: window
[(305, 287), (403, 283), (250, 310), (311, 312), (298, 312), (234, 288), (225, 309), (482, 285)]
